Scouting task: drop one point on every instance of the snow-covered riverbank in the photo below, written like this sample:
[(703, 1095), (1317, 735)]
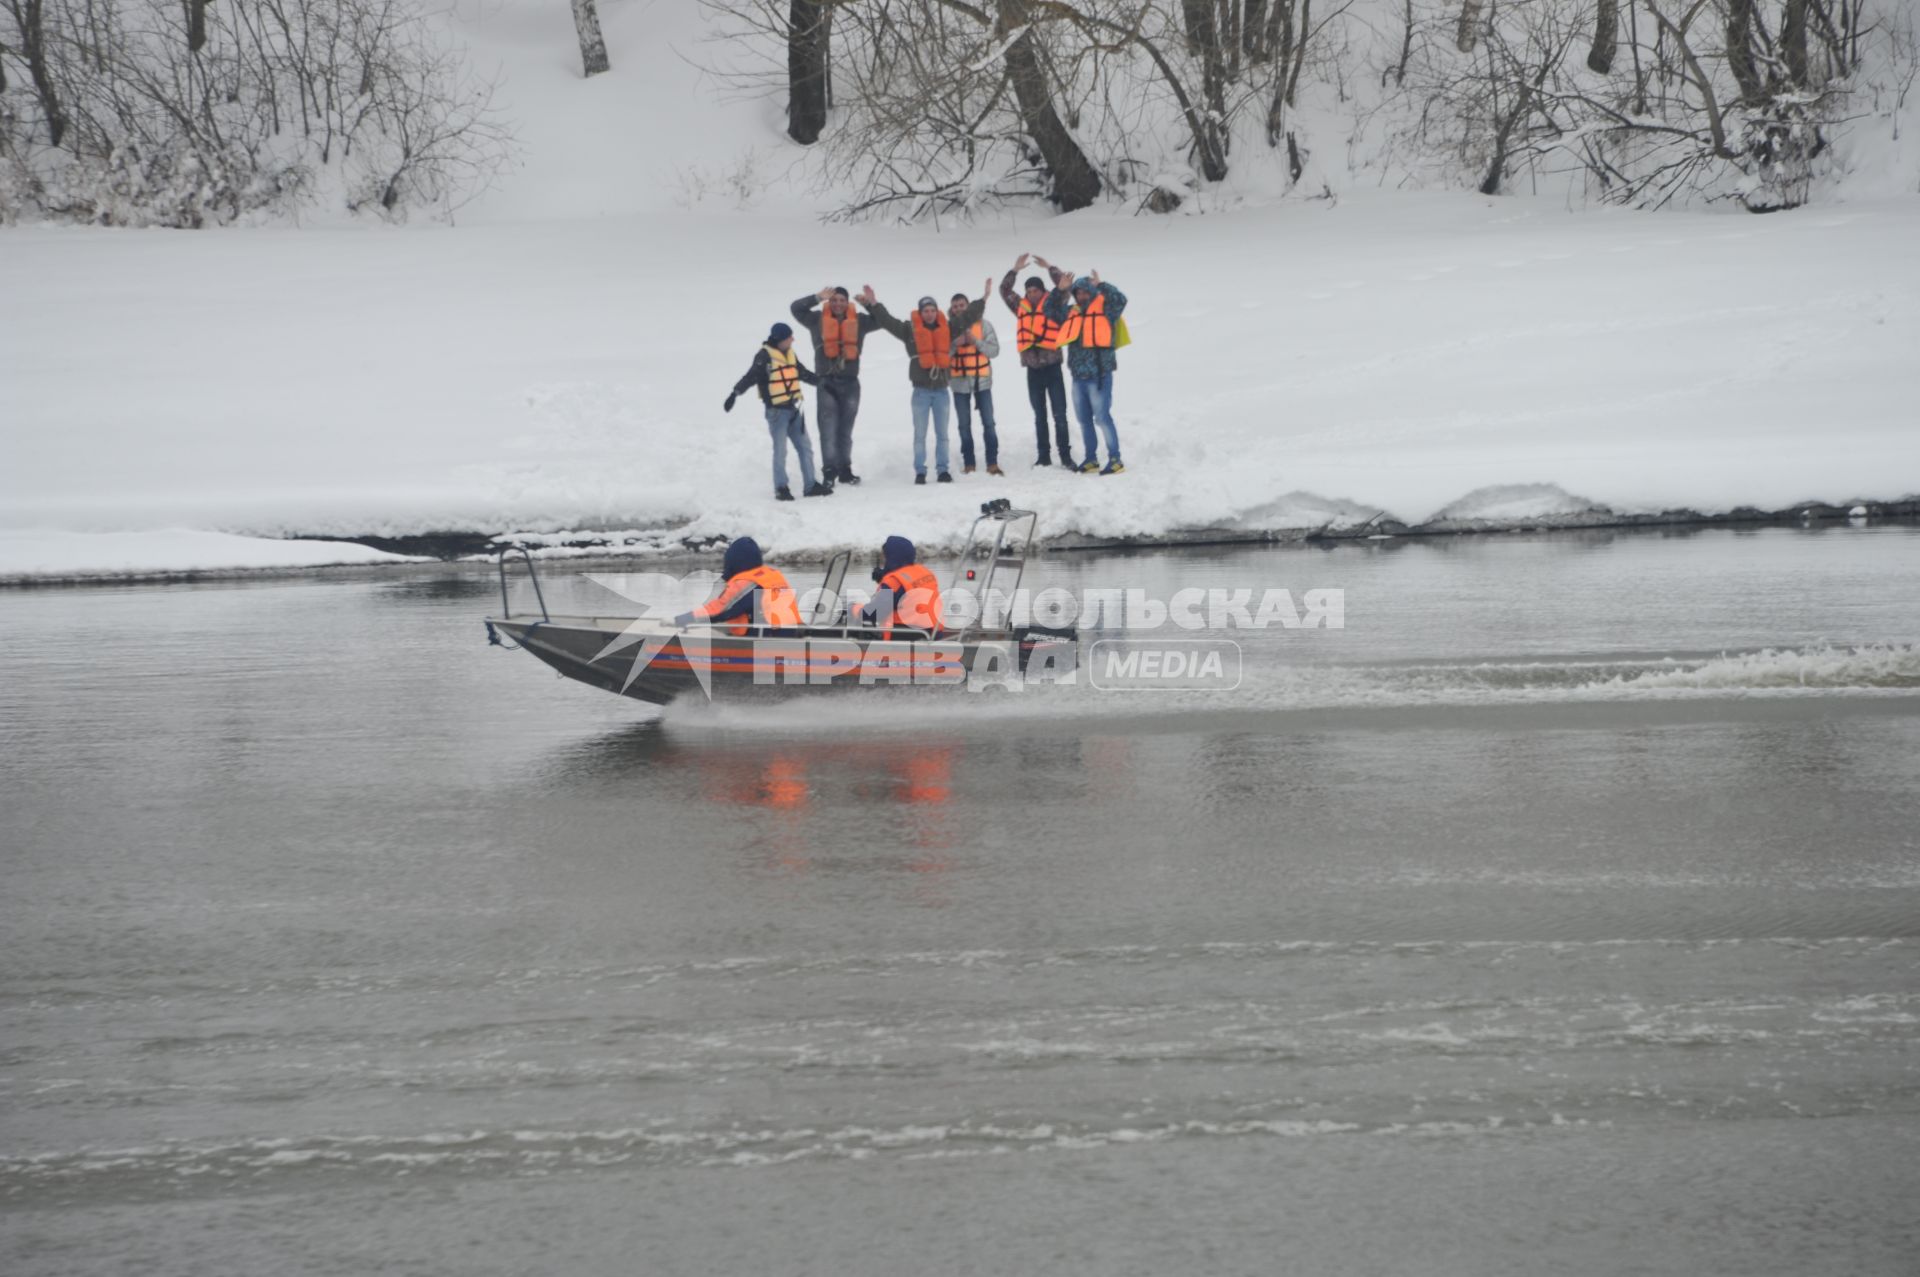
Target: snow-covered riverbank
[(1293, 368)]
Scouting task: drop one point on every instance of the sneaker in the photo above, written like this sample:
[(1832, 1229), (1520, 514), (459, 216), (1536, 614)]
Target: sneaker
[(994, 469), (966, 469), (820, 490), (848, 476), (945, 477), (1090, 467), (919, 478), (1116, 466), (782, 494)]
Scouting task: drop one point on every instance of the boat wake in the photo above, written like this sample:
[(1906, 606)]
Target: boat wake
[(1879, 670)]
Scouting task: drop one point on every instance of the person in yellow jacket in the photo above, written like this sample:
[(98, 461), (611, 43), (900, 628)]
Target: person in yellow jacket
[(777, 373)]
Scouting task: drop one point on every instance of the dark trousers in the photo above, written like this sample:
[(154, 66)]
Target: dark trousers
[(839, 405), (963, 404), (1049, 385)]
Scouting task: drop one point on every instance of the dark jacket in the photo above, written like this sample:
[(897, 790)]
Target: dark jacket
[(1087, 362), (1034, 357), (757, 375), (922, 378), (806, 313)]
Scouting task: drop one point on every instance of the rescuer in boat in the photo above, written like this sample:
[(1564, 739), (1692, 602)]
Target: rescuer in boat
[(755, 594), (909, 594)]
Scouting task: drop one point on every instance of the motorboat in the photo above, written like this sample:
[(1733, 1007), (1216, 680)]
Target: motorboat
[(651, 659)]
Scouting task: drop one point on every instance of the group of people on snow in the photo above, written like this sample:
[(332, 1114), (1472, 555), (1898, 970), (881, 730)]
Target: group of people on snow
[(753, 593), (1073, 325)]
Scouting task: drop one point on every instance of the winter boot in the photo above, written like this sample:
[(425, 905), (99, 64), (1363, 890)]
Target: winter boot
[(848, 476), (920, 479), (820, 490), (945, 477), (994, 468), (783, 494), (966, 469), (1043, 461)]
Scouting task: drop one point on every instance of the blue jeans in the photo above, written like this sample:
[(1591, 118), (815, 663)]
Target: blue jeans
[(1093, 401), (787, 425), (963, 401), (932, 403)]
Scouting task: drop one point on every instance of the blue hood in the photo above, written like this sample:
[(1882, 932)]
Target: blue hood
[(896, 552), (744, 553), (1086, 282)]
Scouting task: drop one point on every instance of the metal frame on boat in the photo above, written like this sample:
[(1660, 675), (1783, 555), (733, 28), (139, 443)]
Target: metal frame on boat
[(651, 659)]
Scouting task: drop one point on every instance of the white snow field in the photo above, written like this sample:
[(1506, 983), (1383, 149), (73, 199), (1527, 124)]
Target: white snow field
[(542, 367)]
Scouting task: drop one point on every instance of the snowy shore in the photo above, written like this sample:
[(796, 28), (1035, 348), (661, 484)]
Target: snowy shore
[(51, 557), (1426, 360)]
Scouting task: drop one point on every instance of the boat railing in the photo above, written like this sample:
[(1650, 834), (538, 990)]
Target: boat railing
[(506, 608), (1005, 548)]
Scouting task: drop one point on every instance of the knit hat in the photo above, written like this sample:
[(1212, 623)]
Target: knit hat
[(1034, 281), (779, 334), (928, 301)]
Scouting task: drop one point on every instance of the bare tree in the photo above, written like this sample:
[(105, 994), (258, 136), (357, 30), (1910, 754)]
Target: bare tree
[(1075, 182), (29, 24), (197, 25), (1606, 36), (1739, 49), (152, 131), (807, 52), (1793, 41), (593, 45)]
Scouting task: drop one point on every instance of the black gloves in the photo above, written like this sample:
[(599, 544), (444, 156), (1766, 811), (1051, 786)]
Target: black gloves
[(729, 403)]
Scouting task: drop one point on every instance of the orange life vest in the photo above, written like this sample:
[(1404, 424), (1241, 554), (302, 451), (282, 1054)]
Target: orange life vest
[(1035, 328), (971, 361), (917, 602), (783, 378), (934, 346), (1089, 327), (776, 605), (840, 338)]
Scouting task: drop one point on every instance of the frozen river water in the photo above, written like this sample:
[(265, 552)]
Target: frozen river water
[(1560, 914)]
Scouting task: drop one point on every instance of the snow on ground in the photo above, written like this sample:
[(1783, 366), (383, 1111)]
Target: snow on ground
[(53, 552), (1396, 352), (558, 360)]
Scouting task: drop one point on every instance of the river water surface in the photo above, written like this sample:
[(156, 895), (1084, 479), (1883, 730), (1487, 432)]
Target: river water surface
[(1561, 913)]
